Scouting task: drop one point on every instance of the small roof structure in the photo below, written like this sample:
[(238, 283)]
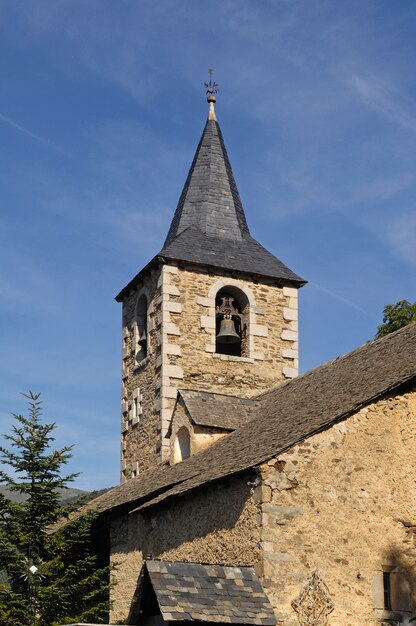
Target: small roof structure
[(216, 410), (209, 593)]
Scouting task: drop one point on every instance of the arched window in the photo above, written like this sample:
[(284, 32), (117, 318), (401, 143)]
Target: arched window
[(231, 316), (182, 446), (140, 329)]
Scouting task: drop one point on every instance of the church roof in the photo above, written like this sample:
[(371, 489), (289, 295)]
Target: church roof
[(209, 593), (282, 418), (209, 226)]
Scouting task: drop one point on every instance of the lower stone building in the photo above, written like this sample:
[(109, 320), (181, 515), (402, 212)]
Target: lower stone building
[(304, 513)]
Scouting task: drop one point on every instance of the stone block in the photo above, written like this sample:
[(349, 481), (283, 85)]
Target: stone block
[(170, 392), (173, 371), (259, 330), (289, 372), (262, 493), (172, 307), (171, 348), (278, 557), (289, 335), (207, 322), (290, 314), (170, 269), (279, 510), (208, 302), (170, 290), (289, 353), (290, 292), (171, 329)]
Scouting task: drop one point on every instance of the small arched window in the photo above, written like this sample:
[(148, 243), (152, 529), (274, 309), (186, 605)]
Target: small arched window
[(140, 329), (182, 446), (231, 315)]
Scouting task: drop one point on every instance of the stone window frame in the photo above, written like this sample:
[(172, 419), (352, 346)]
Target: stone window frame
[(177, 448), (400, 596), (253, 329), (241, 303), (137, 322), (136, 410)]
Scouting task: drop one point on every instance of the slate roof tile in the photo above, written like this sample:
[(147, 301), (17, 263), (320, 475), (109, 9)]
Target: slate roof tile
[(216, 410), (207, 605)]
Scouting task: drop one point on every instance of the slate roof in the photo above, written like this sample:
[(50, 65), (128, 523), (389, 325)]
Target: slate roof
[(210, 198), (246, 256), (209, 226), (216, 410), (281, 418), (209, 593)]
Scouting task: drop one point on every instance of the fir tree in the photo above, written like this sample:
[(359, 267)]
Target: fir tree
[(50, 578)]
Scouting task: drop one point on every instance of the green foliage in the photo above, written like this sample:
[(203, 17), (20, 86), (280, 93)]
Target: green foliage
[(69, 584), (396, 316)]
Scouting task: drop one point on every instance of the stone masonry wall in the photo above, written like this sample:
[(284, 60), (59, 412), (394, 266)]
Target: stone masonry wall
[(343, 502), (218, 524), (181, 352), (190, 360), (140, 435)]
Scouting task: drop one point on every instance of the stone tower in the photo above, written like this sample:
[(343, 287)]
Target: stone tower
[(213, 311)]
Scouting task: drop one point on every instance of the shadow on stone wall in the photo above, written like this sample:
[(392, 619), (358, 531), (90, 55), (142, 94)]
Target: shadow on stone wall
[(401, 563), (216, 524)]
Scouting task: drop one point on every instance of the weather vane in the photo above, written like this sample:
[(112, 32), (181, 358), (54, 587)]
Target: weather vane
[(211, 88)]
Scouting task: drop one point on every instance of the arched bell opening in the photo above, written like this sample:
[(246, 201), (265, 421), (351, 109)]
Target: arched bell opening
[(231, 313), (182, 445), (140, 330)]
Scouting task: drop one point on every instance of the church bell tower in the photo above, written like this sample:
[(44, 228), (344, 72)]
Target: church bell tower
[(213, 311)]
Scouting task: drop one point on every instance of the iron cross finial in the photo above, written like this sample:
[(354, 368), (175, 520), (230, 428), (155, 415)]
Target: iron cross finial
[(211, 88)]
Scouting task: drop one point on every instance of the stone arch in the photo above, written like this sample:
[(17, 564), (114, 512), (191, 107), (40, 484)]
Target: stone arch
[(232, 282), (236, 322), (182, 445), (244, 296), (140, 325)]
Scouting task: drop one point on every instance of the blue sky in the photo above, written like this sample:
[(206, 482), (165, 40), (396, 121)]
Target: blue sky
[(101, 109)]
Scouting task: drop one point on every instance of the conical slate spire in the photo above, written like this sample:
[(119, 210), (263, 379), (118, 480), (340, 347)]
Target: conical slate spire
[(209, 226), (210, 199)]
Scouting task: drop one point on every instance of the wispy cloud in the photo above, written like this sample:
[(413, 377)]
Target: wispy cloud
[(26, 131), (384, 99), (346, 301)]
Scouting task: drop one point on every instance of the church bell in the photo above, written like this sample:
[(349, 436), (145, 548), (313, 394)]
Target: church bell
[(227, 332), (143, 338)]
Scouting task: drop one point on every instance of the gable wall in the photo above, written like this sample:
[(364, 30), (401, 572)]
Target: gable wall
[(201, 437), (344, 502)]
